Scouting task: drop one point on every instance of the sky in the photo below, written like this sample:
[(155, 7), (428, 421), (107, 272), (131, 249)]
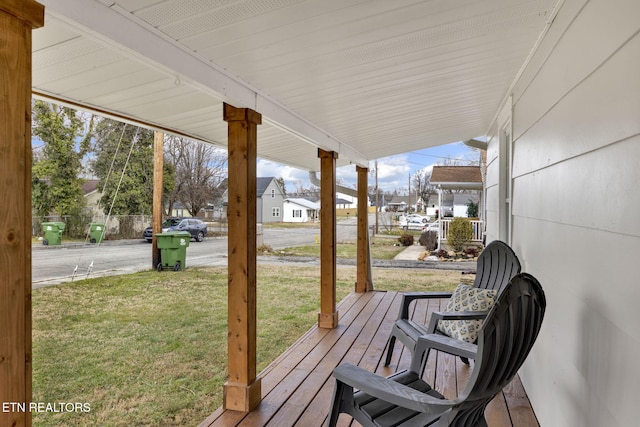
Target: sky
[(393, 172)]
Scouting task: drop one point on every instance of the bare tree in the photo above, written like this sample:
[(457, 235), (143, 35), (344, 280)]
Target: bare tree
[(199, 169), (421, 182)]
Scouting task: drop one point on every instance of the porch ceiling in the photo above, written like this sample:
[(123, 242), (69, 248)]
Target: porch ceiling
[(367, 79)]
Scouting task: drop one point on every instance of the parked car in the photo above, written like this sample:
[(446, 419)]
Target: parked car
[(408, 223), (422, 218), (196, 227), (432, 226)]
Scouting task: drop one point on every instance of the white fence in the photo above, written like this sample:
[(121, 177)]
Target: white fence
[(476, 224)]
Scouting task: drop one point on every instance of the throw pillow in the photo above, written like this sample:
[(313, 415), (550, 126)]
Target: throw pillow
[(466, 298)]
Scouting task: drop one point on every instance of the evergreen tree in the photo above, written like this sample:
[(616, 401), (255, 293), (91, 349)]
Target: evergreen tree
[(56, 181), (123, 162), (124, 159)]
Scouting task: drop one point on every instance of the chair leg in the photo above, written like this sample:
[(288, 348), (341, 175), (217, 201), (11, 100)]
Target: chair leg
[(337, 402), (419, 357), (390, 345)]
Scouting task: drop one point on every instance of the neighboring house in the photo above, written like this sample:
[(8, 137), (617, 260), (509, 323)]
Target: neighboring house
[(401, 203), (179, 210), (461, 202), (299, 210), (457, 186), (270, 200), (397, 204), (92, 197), (345, 200), (344, 203)]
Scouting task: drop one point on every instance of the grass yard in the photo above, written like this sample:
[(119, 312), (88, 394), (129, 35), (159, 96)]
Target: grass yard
[(149, 349), (381, 248)]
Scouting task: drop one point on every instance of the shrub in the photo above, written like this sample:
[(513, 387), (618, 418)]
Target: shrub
[(442, 254), (406, 239), (472, 209), (460, 233), (429, 239), (264, 249), (471, 250)]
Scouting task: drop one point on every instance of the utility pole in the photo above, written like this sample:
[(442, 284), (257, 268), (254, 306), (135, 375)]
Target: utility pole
[(377, 192), (409, 201)]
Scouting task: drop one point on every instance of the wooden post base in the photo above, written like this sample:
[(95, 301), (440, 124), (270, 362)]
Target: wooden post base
[(328, 320), (240, 397)]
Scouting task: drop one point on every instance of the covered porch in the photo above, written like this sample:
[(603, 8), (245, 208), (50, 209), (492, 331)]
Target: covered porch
[(551, 84), (297, 387)]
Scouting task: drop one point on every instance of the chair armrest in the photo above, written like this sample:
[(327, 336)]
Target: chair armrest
[(454, 315), (409, 297), (440, 343), (389, 390)]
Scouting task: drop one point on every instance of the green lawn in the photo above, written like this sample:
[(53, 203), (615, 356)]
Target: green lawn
[(381, 248), (149, 349)]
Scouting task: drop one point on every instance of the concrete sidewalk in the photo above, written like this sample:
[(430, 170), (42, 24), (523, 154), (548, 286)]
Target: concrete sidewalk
[(411, 253)]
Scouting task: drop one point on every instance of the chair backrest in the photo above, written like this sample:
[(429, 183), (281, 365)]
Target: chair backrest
[(496, 265), (504, 341)]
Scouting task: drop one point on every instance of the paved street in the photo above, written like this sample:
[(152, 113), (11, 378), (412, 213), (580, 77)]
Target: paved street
[(73, 261)]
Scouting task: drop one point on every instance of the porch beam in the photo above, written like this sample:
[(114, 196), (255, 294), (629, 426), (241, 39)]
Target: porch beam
[(242, 392), (17, 19), (158, 168), (363, 257), (328, 316)]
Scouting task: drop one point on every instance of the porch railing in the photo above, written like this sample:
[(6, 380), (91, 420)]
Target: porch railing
[(476, 224)]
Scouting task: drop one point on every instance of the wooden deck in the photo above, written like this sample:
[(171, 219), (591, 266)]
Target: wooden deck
[(297, 387)]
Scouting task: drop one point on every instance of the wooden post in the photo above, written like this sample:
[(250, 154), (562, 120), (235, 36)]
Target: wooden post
[(158, 172), (17, 19), (242, 392), (363, 269), (328, 316)]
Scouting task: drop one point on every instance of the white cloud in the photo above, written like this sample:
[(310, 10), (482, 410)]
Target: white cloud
[(288, 173), (393, 172)]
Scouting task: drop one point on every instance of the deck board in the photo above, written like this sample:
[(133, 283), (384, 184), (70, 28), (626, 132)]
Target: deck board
[(297, 387)]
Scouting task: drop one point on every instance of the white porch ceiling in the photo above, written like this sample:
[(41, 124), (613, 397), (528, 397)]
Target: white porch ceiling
[(367, 79)]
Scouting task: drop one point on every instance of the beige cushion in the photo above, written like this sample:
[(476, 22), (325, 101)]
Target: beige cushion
[(466, 298)]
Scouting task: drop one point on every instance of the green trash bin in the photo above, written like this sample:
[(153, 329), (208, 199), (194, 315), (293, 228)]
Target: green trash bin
[(173, 249), (96, 232), (52, 232)]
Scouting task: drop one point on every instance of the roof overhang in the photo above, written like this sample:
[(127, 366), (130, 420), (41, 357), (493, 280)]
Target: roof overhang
[(364, 79)]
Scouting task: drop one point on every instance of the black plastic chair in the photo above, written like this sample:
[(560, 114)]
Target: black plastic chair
[(404, 399), (496, 265)]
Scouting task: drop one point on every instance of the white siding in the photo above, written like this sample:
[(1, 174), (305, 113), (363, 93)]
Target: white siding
[(576, 169)]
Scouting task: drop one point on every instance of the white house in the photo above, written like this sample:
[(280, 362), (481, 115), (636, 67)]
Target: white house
[(299, 210)]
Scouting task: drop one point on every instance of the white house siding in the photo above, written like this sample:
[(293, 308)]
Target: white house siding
[(575, 204), (307, 213)]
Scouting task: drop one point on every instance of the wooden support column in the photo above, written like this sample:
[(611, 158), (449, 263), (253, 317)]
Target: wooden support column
[(158, 172), (17, 19), (242, 392), (328, 316), (363, 257)]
